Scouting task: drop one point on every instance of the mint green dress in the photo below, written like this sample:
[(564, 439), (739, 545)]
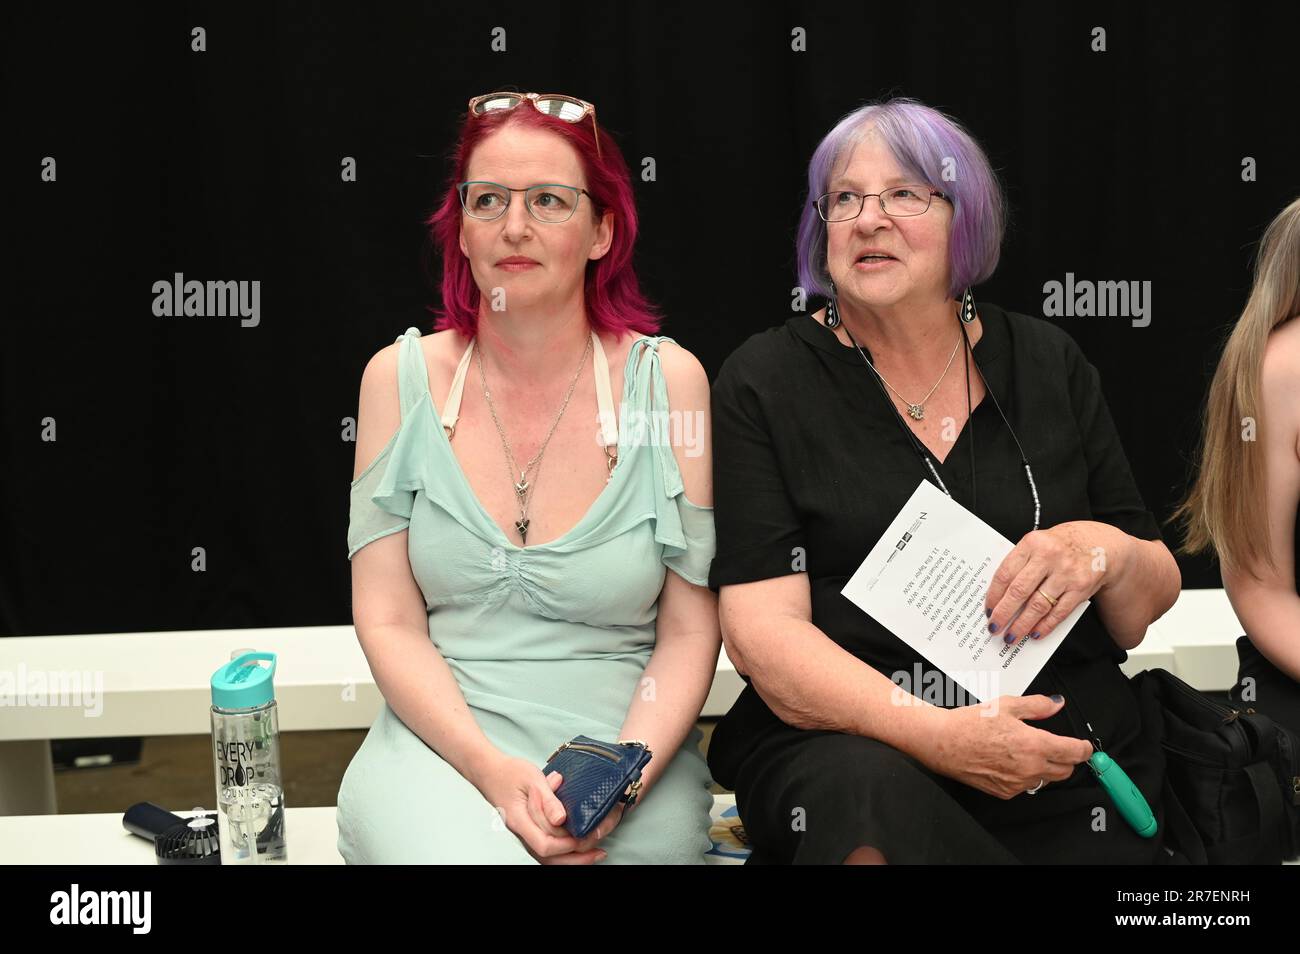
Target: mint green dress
[(547, 642)]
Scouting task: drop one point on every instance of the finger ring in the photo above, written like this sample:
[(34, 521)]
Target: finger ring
[(1034, 790), (1048, 598)]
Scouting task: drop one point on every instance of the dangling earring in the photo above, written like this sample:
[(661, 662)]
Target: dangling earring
[(967, 310), (832, 314)]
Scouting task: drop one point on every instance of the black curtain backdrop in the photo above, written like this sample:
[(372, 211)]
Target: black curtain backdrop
[(179, 433)]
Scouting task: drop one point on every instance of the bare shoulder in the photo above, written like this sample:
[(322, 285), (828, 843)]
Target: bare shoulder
[(1279, 378), (380, 377), (684, 376), (1281, 364), (689, 425), (379, 412), (443, 350), (379, 405), (1279, 373)]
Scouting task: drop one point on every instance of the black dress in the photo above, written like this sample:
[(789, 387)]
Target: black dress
[(1275, 693), (808, 454)]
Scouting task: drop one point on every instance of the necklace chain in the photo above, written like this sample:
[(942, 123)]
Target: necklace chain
[(917, 410), (1029, 473), (523, 487)]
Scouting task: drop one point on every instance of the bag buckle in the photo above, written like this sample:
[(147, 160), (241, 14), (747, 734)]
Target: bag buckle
[(633, 791)]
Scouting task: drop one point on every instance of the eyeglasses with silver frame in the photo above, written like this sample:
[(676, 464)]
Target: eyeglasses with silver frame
[(900, 201), (547, 202)]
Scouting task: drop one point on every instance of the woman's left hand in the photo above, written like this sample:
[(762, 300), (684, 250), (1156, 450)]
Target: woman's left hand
[(1069, 563)]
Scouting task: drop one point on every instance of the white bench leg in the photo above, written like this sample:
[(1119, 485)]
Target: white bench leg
[(27, 778)]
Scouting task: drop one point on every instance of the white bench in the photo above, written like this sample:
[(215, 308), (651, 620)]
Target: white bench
[(311, 836), (157, 683)]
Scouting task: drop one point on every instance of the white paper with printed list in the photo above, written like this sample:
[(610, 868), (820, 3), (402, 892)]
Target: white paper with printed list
[(926, 580)]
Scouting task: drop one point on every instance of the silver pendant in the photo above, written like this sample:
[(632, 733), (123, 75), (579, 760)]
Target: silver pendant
[(521, 488), (916, 411), (522, 527)]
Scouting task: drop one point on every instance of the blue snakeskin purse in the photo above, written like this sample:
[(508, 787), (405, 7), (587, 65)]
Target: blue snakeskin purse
[(596, 777)]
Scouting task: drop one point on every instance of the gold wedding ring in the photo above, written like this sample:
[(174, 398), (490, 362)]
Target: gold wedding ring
[(1046, 597)]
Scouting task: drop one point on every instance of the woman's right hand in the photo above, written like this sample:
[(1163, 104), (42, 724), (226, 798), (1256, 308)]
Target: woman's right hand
[(989, 746), (526, 801)]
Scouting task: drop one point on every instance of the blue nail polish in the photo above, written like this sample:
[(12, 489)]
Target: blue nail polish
[(1009, 638), (1057, 698), (988, 611), (1035, 635), (993, 627)]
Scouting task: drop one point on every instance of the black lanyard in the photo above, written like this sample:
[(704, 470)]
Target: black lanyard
[(1099, 763), (923, 453)]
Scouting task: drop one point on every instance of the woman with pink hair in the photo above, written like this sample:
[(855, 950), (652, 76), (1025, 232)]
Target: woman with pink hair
[(510, 574)]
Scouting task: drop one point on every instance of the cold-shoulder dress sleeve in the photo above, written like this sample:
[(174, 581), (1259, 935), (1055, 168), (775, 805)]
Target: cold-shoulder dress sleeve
[(683, 527), (383, 495)]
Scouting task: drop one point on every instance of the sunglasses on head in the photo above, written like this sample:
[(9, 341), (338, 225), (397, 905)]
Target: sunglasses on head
[(569, 108)]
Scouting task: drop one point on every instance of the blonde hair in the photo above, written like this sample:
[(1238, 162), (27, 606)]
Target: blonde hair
[(1225, 508)]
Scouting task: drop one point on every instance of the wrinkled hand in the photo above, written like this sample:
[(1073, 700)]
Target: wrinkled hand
[(989, 746), (1065, 562)]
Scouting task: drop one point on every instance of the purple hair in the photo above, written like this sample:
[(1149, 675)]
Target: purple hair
[(920, 138), (611, 291)]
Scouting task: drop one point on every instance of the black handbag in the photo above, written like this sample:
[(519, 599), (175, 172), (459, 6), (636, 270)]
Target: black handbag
[(1232, 790)]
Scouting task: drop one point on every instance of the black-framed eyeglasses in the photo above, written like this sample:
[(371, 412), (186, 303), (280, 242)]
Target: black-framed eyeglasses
[(841, 206), (547, 202)]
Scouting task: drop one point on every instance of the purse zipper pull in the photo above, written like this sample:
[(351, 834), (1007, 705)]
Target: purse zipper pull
[(1114, 781), (1133, 808), (1093, 737)]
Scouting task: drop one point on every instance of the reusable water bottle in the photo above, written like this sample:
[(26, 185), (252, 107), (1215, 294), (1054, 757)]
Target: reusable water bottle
[(246, 762)]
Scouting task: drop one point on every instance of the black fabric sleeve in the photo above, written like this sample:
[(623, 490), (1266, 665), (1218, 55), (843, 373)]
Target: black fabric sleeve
[(757, 526), (1112, 492)]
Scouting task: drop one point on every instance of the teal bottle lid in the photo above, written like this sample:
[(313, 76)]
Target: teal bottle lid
[(242, 684)]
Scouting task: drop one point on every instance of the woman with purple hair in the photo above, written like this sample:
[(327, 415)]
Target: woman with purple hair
[(522, 575), (823, 428)]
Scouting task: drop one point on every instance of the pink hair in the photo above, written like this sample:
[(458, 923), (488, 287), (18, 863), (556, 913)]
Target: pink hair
[(613, 296)]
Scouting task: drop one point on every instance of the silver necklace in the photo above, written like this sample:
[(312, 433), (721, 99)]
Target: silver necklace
[(966, 314), (524, 487), (916, 411)]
